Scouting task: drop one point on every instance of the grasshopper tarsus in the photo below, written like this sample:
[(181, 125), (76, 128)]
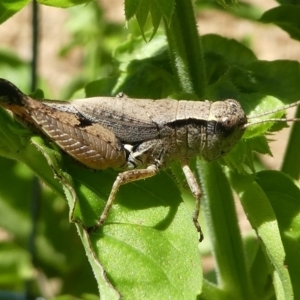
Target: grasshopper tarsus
[(198, 227)]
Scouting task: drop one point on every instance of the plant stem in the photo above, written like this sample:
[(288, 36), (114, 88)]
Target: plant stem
[(35, 200), (292, 153), (185, 49), (35, 34), (220, 214)]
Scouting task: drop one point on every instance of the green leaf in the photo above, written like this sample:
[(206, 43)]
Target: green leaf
[(276, 78), (142, 14), (239, 75), (101, 87), (260, 213), (8, 8), (135, 48), (37, 94), (259, 267), (63, 3), (131, 8), (286, 17), (143, 65), (230, 51), (142, 74), (166, 8), (150, 226), (266, 104), (142, 9), (242, 153), (284, 195), (243, 10), (156, 18)]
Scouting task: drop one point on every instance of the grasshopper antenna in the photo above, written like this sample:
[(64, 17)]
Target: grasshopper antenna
[(274, 119)]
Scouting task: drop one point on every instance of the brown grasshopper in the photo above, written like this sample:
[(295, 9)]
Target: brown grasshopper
[(138, 137)]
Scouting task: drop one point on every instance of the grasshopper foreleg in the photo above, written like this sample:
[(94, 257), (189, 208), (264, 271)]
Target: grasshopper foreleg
[(123, 178), (195, 189)]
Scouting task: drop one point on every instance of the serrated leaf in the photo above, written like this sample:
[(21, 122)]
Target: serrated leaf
[(165, 8), (266, 104), (142, 15), (155, 17), (147, 64), (148, 12), (131, 8), (230, 50), (260, 145), (242, 154), (279, 78), (245, 10), (286, 17)]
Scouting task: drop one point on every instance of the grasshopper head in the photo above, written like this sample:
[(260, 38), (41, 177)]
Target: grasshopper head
[(225, 127)]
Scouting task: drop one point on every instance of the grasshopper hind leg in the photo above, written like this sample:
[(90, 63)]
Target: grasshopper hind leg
[(138, 174), (123, 178)]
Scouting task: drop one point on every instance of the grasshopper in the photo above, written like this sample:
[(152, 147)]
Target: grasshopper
[(137, 137)]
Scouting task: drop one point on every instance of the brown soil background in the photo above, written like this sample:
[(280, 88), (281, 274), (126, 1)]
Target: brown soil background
[(268, 42)]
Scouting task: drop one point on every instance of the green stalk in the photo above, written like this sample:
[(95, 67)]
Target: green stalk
[(35, 199), (219, 211), (185, 49), (292, 153)]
